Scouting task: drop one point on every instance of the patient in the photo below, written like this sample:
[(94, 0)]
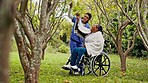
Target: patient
[(94, 43)]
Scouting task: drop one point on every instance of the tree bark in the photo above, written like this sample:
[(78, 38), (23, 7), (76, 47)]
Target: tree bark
[(6, 17), (4, 54), (30, 60), (123, 63), (31, 39)]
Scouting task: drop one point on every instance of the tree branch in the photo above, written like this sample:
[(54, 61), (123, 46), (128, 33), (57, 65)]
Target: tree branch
[(132, 45), (27, 28), (23, 6)]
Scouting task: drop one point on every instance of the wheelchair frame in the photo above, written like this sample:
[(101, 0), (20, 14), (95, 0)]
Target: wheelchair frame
[(99, 65)]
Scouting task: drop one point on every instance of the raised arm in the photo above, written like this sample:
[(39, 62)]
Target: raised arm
[(69, 12)]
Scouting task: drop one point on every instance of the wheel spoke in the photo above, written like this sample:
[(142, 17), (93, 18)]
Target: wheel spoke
[(96, 69), (100, 71), (105, 65), (101, 65), (104, 60), (104, 70)]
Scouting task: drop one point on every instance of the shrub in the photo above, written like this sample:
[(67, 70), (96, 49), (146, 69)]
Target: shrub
[(63, 49), (139, 49)]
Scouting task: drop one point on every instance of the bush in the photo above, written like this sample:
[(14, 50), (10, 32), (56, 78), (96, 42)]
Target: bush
[(63, 49), (139, 49), (51, 49)]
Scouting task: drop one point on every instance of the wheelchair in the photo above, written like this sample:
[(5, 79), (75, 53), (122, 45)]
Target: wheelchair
[(98, 65)]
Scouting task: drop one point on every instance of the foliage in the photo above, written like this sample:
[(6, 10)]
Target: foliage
[(63, 49), (57, 45), (51, 71), (139, 49), (65, 31)]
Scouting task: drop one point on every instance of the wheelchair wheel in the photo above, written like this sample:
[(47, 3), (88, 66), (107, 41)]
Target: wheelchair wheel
[(86, 67), (101, 65)]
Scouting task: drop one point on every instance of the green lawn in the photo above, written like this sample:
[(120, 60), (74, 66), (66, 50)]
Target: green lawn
[(51, 71)]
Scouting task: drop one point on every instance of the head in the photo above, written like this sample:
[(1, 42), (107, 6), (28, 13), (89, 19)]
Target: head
[(96, 27), (86, 18)]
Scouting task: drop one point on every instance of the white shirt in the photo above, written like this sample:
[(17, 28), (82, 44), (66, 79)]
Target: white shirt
[(94, 43)]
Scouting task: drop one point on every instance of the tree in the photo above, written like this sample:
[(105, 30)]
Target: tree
[(138, 7), (6, 21), (33, 32), (116, 23)]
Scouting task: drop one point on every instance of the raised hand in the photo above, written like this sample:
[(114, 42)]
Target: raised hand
[(78, 16), (70, 5)]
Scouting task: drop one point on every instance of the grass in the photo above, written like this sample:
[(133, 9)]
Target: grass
[(51, 71)]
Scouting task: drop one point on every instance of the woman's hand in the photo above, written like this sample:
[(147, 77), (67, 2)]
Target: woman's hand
[(70, 5), (78, 16)]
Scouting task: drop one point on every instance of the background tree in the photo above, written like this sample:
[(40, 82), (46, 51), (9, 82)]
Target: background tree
[(139, 8), (32, 38), (116, 23), (6, 21)]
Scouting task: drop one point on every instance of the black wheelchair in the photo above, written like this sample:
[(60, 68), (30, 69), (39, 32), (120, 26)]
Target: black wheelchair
[(99, 65)]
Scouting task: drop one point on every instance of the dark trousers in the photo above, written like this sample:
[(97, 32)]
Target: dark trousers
[(76, 55), (74, 44)]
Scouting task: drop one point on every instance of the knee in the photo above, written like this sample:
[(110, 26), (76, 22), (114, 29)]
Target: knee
[(75, 50)]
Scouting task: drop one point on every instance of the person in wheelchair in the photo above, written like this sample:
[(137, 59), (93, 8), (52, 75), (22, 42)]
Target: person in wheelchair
[(93, 45)]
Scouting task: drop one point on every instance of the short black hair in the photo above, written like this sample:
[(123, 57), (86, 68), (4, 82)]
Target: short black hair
[(89, 15)]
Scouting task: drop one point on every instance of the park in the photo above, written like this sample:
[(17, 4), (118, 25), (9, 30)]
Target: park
[(36, 35)]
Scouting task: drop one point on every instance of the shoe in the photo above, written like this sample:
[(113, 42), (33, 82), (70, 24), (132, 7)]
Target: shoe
[(75, 67), (66, 67), (76, 73)]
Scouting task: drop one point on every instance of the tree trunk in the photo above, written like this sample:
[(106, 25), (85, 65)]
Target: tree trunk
[(32, 73), (123, 63), (121, 54), (4, 52), (31, 76), (30, 58), (31, 65), (6, 16)]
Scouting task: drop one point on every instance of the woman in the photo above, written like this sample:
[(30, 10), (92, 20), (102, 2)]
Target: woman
[(75, 40)]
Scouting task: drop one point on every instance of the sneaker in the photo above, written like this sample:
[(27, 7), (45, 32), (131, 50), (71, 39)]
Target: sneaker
[(75, 67), (76, 73), (66, 67)]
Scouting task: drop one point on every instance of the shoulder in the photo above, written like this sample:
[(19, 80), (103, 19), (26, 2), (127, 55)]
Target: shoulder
[(98, 32)]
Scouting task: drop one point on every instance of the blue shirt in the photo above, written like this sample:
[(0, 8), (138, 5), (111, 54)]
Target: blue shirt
[(73, 35)]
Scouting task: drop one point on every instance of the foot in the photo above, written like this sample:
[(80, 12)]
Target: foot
[(76, 73), (75, 67), (66, 67)]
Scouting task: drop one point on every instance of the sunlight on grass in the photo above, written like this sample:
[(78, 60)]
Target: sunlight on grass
[(51, 71)]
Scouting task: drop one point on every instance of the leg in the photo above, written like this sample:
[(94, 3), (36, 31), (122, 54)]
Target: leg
[(81, 51), (74, 57), (72, 46)]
